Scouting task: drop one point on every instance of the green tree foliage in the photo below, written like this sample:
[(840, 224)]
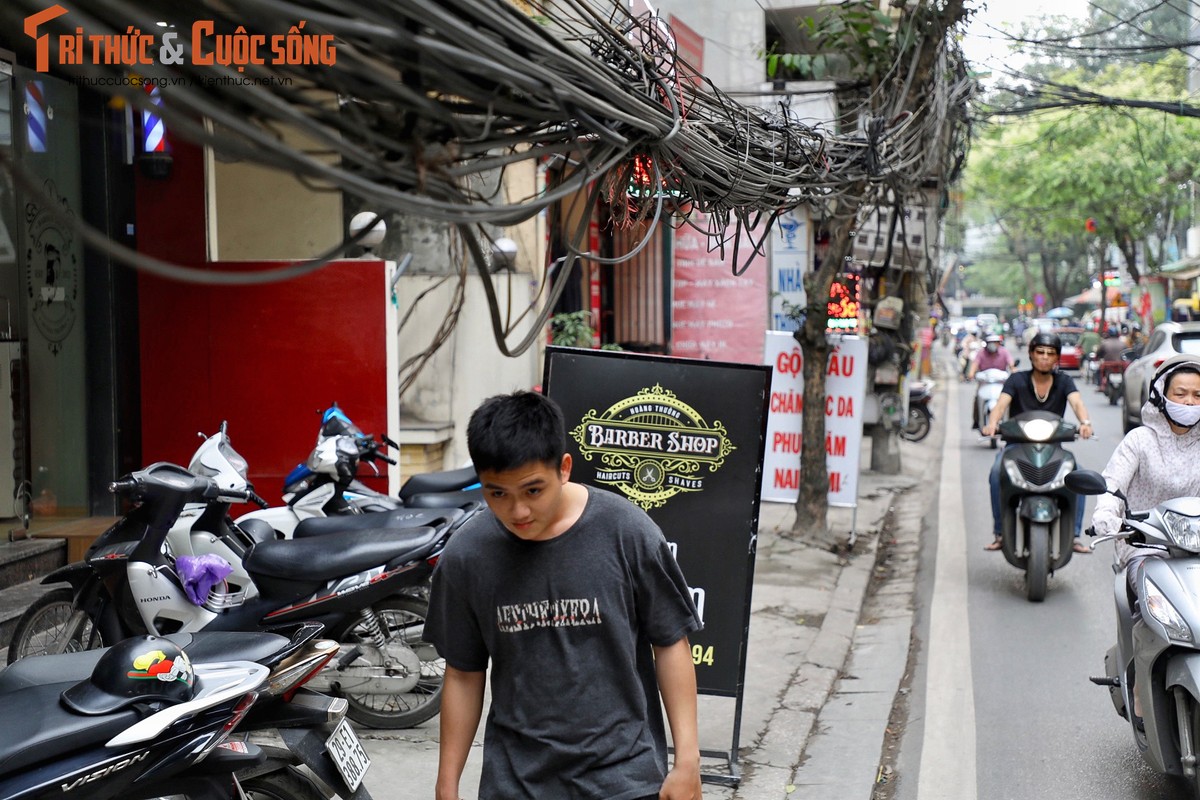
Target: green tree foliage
[(1116, 31), (1132, 29), (1039, 177), (851, 40)]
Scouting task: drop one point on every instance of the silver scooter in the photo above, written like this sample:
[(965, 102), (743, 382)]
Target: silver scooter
[(1157, 654)]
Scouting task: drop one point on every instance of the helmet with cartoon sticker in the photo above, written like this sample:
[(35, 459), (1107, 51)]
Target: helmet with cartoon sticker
[(144, 669)]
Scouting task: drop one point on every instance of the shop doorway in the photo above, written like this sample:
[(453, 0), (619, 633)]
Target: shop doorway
[(43, 368)]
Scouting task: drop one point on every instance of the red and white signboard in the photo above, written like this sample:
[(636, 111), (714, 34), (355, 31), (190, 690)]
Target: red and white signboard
[(845, 389), (716, 314)]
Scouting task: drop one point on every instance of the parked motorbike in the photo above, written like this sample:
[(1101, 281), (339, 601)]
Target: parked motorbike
[(52, 624), (1037, 510), (1156, 653), (154, 716), (988, 383), (920, 416), (365, 586), (326, 484)]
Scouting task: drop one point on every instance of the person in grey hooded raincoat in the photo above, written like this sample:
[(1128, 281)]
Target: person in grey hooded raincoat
[(1158, 460)]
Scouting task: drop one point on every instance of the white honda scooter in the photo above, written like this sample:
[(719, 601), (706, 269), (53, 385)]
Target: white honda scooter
[(1157, 653)]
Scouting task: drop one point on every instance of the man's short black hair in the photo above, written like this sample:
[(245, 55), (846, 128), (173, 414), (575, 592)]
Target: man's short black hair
[(511, 430)]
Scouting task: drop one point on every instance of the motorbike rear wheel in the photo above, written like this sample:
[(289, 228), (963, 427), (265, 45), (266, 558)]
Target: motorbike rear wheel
[(918, 425), (283, 784), (44, 626), (402, 620), (1037, 562)]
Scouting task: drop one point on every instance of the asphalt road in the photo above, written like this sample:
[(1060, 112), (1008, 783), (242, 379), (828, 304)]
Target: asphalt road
[(1039, 728)]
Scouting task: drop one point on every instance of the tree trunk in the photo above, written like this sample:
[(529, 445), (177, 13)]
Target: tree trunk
[(1054, 281), (910, 89), (1018, 249), (811, 506), (1129, 251)]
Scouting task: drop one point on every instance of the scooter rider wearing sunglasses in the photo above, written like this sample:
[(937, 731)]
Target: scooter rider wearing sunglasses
[(1041, 388)]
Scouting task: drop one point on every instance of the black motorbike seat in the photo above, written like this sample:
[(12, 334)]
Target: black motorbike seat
[(453, 499), (435, 482), (398, 520), (36, 728), (259, 530), (321, 559), (202, 647)]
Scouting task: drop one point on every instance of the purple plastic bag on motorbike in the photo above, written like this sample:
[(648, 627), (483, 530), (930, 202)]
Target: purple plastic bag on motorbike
[(200, 574)]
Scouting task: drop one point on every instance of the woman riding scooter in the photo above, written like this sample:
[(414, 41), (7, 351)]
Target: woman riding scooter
[(1156, 461), (992, 356)]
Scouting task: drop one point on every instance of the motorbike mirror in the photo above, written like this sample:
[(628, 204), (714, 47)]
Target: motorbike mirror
[(1016, 362), (1086, 481)]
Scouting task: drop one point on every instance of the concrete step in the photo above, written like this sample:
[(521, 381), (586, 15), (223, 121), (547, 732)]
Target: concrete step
[(27, 559), (13, 602), (23, 564)]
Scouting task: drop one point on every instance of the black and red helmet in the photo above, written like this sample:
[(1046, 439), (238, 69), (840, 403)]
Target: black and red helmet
[(144, 669)]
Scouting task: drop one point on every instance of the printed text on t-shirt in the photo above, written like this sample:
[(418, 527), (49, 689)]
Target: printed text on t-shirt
[(562, 613)]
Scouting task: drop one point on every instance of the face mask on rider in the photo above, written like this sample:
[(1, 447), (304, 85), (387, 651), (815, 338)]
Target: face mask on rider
[(993, 347), (1183, 415)]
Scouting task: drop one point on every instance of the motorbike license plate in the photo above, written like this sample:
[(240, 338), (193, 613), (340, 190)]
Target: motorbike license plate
[(348, 754)]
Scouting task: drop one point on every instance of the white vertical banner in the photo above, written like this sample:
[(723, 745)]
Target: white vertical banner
[(845, 391), (781, 459)]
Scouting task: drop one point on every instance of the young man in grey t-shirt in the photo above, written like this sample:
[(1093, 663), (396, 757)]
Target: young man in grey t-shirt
[(570, 595)]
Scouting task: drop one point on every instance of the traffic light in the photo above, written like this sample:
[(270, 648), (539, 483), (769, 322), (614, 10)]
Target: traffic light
[(1090, 225)]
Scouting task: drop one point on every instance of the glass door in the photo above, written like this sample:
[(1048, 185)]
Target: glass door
[(48, 286)]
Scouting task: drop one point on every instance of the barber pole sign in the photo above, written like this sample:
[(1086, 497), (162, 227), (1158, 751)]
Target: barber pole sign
[(154, 138), (845, 390), (36, 116)]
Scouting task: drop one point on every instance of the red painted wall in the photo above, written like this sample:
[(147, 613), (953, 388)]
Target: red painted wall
[(266, 357)]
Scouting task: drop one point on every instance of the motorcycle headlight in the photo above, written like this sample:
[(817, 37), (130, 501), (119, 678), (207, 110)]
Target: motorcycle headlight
[(1184, 530), (1156, 604), (234, 458), (1060, 478), (1015, 477), (1038, 430)]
